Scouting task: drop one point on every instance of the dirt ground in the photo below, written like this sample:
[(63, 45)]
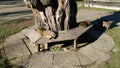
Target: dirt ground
[(11, 10), (87, 55), (16, 10)]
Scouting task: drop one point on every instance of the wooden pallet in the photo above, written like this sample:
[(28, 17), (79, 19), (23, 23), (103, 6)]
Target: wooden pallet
[(72, 34)]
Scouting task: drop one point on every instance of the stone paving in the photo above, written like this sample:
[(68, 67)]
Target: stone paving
[(92, 54), (87, 56)]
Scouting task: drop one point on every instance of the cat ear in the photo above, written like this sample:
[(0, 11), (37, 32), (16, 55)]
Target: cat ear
[(110, 22), (103, 21), (88, 21)]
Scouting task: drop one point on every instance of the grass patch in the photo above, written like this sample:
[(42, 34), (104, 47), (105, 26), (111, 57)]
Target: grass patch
[(9, 28), (55, 49), (93, 8), (115, 34), (114, 61), (5, 29), (12, 27), (11, 22)]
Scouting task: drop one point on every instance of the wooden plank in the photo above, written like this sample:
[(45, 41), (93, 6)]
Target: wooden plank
[(79, 31), (31, 47), (32, 35), (75, 44), (46, 45), (63, 35)]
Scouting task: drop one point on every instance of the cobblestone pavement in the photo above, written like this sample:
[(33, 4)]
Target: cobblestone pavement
[(92, 54)]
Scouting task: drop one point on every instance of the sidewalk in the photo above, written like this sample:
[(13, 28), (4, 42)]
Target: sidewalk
[(11, 10), (89, 55)]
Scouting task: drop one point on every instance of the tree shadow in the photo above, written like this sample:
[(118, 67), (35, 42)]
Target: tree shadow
[(10, 2), (98, 29), (17, 13), (115, 17)]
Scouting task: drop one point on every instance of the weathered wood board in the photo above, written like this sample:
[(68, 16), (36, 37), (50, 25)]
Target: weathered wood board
[(65, 35), (32, 34), (62, 35), (79, 31), (72, 34)]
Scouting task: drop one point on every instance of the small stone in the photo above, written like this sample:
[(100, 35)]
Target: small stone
[(65, 49)]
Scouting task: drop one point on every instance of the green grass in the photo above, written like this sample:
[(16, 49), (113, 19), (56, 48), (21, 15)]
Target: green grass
[(4, 32), (55, 49), (7, 29), (10, 22), (115, 34), (114, 61), (93, 8)]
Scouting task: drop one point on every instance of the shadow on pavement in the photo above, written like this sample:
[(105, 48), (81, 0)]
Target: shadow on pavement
[(17, 13), (98, 29), (10, 2)]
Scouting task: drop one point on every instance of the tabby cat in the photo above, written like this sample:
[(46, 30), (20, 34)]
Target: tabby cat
[(46, 33), (85, 23)]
